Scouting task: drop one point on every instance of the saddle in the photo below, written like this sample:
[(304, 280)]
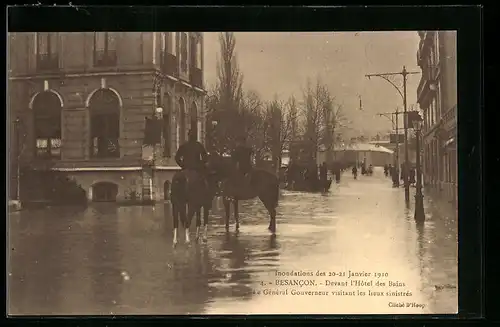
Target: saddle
[(194, 178)]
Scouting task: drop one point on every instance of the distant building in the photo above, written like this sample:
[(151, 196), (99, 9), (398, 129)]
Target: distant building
[(82, 99), (437, 97), (371, 154), (412, 155)]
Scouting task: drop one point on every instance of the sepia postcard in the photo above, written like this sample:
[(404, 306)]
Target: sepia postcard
[(194, 173)]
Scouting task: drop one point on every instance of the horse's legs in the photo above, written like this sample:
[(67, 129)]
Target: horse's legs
[(236, 215), (175, 217), (271, 202), (198, 223), (205, 222), (187, 224), (227, 209)]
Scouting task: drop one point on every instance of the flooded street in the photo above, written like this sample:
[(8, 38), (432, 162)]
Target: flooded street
[(120, 260)]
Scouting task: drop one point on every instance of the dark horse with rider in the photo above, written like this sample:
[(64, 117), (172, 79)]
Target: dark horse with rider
[(203, 175)]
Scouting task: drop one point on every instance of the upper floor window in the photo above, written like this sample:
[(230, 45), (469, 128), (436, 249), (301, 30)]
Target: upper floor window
[(184, 51), (104, 49), (167, 129), (199, 54), (168, 42), (436, 48), (47, 109), (195, 52), (47, 57), (169, 62)]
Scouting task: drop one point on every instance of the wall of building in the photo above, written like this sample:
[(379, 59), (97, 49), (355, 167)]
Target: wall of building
[(133, 78), (440, 109)]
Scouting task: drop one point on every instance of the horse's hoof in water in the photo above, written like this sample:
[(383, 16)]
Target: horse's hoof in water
[(174, 245)]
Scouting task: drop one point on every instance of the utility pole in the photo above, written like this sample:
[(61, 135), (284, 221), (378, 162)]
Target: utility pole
[(394, 118), (386, 76)]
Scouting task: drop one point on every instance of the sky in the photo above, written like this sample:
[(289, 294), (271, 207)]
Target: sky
[(279, 64)]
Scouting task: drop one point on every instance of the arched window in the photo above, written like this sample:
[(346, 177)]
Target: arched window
[(181, 125), (193, 118), (167, 130), (104, 107), (47, 116)]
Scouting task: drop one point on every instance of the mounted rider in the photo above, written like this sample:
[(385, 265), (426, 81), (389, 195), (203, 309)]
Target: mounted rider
[(192, 156), (242, 158)]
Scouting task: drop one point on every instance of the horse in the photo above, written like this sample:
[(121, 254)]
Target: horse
[(192, 190), (234, 188)]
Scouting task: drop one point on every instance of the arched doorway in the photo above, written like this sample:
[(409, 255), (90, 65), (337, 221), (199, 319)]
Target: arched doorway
[(193, 117), (104, 108), (182, 122), (166, 190), (104, 192), (47, 110)]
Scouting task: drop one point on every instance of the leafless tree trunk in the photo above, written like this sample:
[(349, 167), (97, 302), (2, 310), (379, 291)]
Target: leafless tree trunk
[(323, 116)]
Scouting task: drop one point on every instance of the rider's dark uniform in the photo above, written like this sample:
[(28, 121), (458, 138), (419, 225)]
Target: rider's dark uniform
[(192, 154), (242, 158)]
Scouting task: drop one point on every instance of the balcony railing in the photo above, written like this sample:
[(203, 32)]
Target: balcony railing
[(105, 58), (196, 77), (47, 61), (169, 64)]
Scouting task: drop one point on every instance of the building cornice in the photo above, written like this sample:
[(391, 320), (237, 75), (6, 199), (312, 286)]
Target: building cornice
[(71, 75)]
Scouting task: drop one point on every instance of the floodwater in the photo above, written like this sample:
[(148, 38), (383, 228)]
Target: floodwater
[(109, 260)]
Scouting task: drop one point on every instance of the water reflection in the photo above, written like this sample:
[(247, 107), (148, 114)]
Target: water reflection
[(120, 260), (39, 267), (105, 259)]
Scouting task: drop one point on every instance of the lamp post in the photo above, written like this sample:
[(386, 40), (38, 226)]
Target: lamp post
[(419, 197), (212, 138)]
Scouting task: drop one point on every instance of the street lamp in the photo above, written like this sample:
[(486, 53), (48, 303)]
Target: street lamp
[(212, 136), (158, 112), (419, 197)]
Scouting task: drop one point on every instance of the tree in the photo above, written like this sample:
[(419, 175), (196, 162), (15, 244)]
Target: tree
[(323, 117), (224, 101)]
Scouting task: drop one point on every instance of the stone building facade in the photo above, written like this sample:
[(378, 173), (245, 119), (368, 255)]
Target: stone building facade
[(78, 104), (437, 97)]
